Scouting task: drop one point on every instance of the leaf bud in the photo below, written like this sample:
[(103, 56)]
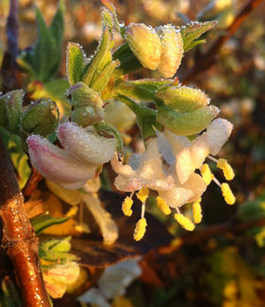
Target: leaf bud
[(40, 118)]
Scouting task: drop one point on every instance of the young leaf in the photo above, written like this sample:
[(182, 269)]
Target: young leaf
[(76, 60), (194, 30), (99, 57), (42, 222)]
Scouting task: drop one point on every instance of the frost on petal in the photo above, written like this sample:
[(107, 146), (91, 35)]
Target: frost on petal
[(119, 168), (149, 173), (56, 165), (106, 224), (192, 157), (190, 191), (86, 146), (218, 133)]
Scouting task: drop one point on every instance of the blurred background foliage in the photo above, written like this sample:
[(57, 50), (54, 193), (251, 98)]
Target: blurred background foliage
[(223, 262)]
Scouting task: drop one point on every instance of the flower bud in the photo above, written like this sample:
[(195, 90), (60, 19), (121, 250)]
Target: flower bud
[(183, 98), (188, 123), (40, 118), (10, 110), (56, 165), (87, 116), (82, 95), (171, 50), (145, 44), (84, 145)]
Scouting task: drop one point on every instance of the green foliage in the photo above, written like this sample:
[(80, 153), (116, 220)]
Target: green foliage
[(76, 61), (9, 296), (192, 31), (42, 222), (10, 110), (43, 61), (56, 250), (17, 155)]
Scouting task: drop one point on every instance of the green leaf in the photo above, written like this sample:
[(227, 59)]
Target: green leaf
[(142, 90), (104, 77), (99, 57), (17, 155), (42, 62), (128, 61), (42, 222), (194, 30), (75, 62)]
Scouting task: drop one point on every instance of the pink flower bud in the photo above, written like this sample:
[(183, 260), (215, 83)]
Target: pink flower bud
[(84, 145), (56, 165)]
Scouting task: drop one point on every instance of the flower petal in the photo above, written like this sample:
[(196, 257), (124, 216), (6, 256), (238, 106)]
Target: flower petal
[(182, 194), (192, 157), (218, 133), (85, 146), (56, 165)]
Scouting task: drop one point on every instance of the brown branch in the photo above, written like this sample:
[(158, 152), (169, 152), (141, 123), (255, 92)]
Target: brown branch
[(204, 61), (19, 239), (232, 226)]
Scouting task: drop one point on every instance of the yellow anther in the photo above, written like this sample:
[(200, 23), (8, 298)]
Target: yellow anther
[(206, 173), (140, 229), (142, 195), (127, 206), (161, 204), (228, 194), (72, 211), (184, 222), (197, 212), (226, 168)]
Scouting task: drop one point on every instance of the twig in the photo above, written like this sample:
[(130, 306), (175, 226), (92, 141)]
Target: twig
[(19, 239), (220, 229), (204, 61)]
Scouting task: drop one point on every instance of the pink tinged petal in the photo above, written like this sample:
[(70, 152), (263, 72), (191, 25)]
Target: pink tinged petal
[(218, 133), (192, 157), (64, 273), (182, 194), (119, 168), (84, 145), (56, 165)]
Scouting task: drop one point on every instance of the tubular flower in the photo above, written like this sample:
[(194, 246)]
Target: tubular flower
[(149, 172), (73, 167)]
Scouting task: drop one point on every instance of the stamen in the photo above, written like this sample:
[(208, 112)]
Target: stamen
[(72, 211), (140, 229), (206, 173), (142, 195), (161, 204), (226, 168), (184, 222), (197, 211), (127, 206), (228, 194)]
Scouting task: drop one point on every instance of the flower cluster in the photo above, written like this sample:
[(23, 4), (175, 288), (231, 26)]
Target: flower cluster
[(168, 166)]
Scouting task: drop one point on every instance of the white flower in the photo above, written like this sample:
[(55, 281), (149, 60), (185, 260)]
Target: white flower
[(73, 167), (168, 166)]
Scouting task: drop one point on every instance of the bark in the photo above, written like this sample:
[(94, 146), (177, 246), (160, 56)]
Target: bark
[(19, 239)]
